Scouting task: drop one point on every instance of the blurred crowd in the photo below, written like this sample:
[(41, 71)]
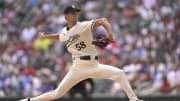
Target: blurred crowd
[(147, 48)]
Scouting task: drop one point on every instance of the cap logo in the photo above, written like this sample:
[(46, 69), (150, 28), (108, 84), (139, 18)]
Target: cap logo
[(73, 6)]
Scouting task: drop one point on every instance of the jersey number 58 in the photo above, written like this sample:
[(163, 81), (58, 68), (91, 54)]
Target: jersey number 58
[(80, 45)]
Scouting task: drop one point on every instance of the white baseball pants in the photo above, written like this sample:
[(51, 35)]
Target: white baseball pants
[(83, 69)]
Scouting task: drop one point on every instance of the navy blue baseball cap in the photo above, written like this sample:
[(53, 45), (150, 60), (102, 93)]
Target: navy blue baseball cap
[(71, 9)]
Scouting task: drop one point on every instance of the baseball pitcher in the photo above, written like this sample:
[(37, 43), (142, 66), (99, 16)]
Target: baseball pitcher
[(77, 36)]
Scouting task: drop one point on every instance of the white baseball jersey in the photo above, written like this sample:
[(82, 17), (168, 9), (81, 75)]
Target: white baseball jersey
[(78, 39)]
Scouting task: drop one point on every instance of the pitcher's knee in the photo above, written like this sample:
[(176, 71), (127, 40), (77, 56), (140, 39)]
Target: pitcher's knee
[(119, 74), (121, 71)]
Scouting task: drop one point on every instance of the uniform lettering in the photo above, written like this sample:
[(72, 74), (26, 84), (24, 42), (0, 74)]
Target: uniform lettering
[(72, 39)]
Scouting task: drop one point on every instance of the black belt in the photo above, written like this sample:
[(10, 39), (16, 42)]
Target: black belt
[(88, 57)]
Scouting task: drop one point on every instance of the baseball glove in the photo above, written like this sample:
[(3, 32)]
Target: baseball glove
[(100, 41)]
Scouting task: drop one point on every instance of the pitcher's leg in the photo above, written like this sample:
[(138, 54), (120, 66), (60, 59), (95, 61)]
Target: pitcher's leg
[(110, 72), (72, 78)]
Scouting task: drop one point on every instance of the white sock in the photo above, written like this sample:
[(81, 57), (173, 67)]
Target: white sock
[(133, 98)]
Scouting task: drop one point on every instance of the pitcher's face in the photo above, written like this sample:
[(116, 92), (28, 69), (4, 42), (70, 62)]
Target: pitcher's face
[(72, 16)]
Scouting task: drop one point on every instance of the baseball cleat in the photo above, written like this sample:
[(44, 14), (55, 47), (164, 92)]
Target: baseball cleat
[(139, 100), (27, 99)]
